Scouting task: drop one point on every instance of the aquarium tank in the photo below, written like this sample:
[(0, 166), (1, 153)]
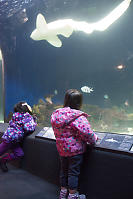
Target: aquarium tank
[(49, 46), (2, 95)]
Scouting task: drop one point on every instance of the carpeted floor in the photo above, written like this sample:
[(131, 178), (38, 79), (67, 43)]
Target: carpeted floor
[(19, 184)]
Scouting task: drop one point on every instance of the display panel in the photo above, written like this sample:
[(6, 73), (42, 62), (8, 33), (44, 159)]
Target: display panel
[(40, 67), (105, 140)]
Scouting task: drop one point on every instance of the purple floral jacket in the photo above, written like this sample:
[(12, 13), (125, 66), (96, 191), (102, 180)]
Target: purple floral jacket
[(72, 131), (19, 125)]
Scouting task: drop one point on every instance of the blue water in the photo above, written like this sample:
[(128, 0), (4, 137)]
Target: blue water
[(36, 68)]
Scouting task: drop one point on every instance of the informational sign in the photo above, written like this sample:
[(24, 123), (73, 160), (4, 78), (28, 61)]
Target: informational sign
[(116, 142), (105, 140), (46, 132)]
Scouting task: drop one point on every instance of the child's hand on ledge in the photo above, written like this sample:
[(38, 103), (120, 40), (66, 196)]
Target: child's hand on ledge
[(35, 117), (94, 143)]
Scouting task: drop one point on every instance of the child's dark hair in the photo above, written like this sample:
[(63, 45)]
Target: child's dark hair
[(22, 107), (73, 99)]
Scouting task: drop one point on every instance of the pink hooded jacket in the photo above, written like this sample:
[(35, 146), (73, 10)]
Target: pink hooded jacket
[(72, 131)]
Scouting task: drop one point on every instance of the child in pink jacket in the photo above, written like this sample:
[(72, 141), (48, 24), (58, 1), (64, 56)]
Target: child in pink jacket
[(72, 131)]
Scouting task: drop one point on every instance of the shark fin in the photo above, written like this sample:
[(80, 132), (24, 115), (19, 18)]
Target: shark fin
[(55, 41), (35, 35), (41, 24)]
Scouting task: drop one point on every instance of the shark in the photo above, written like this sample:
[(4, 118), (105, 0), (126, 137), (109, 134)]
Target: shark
[(112, 140), (51, 30), (65, 27)]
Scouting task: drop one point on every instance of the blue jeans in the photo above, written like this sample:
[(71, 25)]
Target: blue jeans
[(70, 171)]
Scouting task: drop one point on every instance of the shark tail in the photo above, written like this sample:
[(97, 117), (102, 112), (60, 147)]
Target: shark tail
[(35, 35)]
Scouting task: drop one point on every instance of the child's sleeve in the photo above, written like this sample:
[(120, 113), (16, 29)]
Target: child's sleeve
[(29, 123), (84, 131)]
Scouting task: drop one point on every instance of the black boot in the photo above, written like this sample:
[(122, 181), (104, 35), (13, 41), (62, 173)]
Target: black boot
[(3, 165)]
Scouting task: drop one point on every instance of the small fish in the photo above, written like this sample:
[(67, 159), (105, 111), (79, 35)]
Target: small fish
[(55, 92), (126, 103), (112, 140), (48, 99), (86, 89), (106, 96), (120, 67)]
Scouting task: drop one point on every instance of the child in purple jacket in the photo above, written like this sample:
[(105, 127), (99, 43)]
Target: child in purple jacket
[(20, 125), (72, 131)]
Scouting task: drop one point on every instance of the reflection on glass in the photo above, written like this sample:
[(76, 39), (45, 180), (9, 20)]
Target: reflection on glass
[(1, 89), (98, 64)]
